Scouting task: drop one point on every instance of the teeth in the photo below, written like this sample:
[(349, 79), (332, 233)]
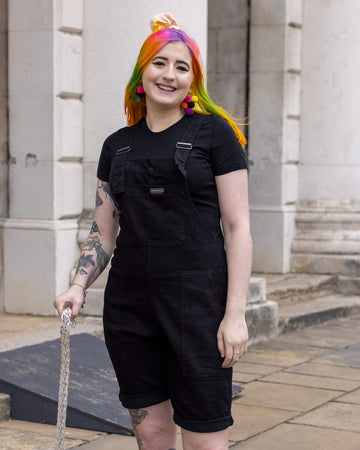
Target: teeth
[(166, 88)]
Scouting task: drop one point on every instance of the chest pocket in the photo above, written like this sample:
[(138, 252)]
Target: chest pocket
[(148, 197), (117, 171)]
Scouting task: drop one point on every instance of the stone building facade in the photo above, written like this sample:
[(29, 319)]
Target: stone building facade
[(291, 66)]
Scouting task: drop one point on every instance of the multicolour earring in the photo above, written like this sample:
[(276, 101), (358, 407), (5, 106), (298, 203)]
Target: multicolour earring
[(188, 104), (139, 93)]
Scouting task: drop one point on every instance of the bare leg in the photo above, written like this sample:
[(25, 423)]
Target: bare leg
[(154, 427), (205, 441)]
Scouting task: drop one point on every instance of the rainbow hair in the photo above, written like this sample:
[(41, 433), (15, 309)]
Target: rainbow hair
[(135, 109)]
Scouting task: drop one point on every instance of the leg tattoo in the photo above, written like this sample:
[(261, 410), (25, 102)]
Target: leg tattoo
[(137, 417)]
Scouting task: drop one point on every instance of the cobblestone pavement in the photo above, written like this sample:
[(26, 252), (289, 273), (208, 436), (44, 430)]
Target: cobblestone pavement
[(302, 391)]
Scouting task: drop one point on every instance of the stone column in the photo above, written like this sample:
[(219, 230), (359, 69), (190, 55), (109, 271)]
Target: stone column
[(45, 138), (4, 153), (275, 63), (228, 55), (328, 236)]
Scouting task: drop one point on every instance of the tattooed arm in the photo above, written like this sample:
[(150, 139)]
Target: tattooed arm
[(96, 250)]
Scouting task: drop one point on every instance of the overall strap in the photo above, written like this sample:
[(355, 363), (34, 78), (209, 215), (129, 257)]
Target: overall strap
[(184, 147)]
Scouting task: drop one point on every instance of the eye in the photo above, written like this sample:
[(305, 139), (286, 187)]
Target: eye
[(158, 63), (183, 68)]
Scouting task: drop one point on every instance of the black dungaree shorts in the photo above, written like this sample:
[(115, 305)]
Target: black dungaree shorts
[(166, 293)]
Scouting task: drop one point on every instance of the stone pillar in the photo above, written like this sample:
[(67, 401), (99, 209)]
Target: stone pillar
[(275, 63), (228, 55), (4, 153), (328, 237), (45, 139)]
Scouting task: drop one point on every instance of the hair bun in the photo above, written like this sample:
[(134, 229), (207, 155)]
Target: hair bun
[(162, 21)]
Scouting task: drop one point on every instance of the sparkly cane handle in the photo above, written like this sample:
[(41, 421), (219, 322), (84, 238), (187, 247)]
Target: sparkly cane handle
[(66, 316)]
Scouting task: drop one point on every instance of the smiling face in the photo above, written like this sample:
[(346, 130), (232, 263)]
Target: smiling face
[(167, 79)]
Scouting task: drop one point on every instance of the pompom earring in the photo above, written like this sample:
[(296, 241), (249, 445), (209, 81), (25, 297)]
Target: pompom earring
[(139, 93), (188, 104)]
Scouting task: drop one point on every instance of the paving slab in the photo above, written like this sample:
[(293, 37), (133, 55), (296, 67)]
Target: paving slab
[(50, 430), (281, 358), (259, 369), (293, 398), (29, 440), (334, 334), (301, 437), (327, 370), (298, 379), (22, 331), (335, 415), (252, 420), (111, 442), (240, 377), (349, 356), (352, 397)]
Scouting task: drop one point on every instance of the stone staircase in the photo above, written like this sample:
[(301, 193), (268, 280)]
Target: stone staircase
[(327, 240), (306, 299)]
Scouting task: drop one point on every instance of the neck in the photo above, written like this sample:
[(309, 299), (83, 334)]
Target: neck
[(160, 120)]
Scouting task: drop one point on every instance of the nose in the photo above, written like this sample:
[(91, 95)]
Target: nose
[(169, 73)]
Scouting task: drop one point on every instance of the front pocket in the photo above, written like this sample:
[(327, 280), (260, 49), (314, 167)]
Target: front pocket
[(203, 301), (151, 215)]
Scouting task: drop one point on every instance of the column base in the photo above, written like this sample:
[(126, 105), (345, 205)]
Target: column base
[(38, 257)]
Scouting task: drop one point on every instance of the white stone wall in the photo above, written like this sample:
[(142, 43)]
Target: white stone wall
[(330, 101), (45, 143), (227, 55), (275, 69), (3, 134), (328, 210)]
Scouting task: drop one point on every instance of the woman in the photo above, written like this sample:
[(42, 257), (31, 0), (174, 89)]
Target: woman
[(174, 308)]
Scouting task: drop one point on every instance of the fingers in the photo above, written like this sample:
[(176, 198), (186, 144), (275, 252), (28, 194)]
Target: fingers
[(221, 346), (233, 354), (230, 351), (68, 299)]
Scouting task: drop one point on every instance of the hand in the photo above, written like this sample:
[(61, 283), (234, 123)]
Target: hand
[(75, 296), (232, 339)]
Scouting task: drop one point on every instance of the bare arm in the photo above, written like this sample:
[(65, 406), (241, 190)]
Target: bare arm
[(234, 205), (96, 250)]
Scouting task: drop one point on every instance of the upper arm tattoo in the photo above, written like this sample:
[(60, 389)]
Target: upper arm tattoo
[(105, 187), (98, 200), (94, 228)]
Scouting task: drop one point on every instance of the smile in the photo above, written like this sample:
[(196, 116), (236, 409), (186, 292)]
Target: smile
[(166, 88)]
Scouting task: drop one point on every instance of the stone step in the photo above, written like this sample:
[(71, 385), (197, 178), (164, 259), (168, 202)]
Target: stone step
[(4, 407), (348, 265), (292, 287), (331, 247), (315, 311)]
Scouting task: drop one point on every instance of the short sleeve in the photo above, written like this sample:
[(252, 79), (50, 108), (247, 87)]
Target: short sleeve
[(104, 164), (227, 153)]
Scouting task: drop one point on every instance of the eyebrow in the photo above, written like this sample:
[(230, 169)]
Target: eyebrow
[(179, 61)]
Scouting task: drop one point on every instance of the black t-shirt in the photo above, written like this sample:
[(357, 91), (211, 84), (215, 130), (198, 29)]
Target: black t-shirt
[(216, 151)]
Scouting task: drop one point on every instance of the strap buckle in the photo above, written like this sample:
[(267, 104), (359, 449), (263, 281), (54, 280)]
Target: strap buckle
[(184, 145)]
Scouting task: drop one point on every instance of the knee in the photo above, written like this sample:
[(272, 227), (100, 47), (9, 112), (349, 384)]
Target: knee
[(155, 436)]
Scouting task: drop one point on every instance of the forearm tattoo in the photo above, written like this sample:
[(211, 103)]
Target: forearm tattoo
[(102, 258), (85, 261)]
